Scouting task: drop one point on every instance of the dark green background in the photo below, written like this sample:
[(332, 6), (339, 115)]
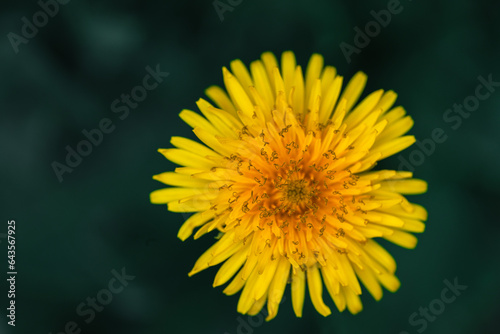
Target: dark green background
[(70, 235)]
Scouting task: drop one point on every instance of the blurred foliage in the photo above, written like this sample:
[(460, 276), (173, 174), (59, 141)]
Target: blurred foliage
[(72, 234)]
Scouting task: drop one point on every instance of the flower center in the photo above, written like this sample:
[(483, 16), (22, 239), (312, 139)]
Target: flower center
[(296, 191)]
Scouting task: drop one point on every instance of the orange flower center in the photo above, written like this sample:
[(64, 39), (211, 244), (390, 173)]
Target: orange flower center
[(296, 192)]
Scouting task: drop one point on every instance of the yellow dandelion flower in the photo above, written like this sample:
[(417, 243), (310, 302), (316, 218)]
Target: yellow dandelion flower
[(285, 174)]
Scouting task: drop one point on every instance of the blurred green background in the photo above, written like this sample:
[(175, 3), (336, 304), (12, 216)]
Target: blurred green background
[(72, 234)]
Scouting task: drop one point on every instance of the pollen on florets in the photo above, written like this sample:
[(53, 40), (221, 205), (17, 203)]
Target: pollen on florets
[(295, 189)]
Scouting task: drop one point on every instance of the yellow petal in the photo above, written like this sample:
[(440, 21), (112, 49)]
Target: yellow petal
[(182, 180), (340, 300), (257, 306), (185, 158), (331, 282), (298, 93), (394, 114), (195, 120), (262, 83), (386, 101), (189, 206), (416, 212), (345, 267), (363, 109), (314, 104), (163, 196), (369, 280), (230, 267), (298, 292), (270, 62), (353, 301), (279, 85), (221, 99), (246, 298), (264, 279), (381, 255), (313, 71), (392, 147), (413, 225), (327, 77), (288, 69), (354, 89), (192, 222), (211, 141), (192, 146), (331, 95), (389, 281), (224, 122), (237, 93), (396, 129), (241, 73), (277, 287), (408, 187), (384, 219), (316, 291), (236, 284), (402, 239)]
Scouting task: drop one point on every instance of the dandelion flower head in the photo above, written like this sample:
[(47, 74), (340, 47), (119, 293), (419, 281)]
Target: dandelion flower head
[(285, 173)]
